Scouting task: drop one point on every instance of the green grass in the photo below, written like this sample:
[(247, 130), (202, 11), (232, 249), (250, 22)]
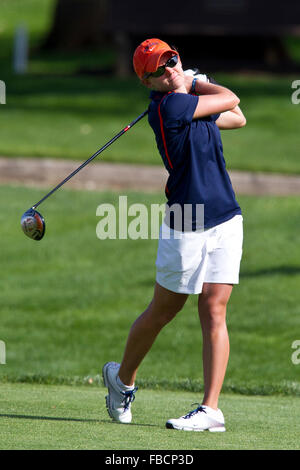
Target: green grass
[(36, 15), (68, 301), (38, 417), (71, 117), (54, 111)]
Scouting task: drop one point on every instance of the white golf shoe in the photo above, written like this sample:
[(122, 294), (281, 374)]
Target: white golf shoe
[(119, 399), (203, 418)]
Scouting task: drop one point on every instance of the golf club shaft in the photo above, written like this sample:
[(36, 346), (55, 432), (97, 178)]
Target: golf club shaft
[(91, 158)]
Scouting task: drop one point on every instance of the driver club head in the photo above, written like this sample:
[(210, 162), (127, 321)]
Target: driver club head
[(33, 224)]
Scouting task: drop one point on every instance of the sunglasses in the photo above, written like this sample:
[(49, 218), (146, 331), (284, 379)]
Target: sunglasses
[(161, 70)]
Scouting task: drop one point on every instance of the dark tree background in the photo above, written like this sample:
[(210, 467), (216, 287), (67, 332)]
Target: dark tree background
[(77, 24), (225, 35)]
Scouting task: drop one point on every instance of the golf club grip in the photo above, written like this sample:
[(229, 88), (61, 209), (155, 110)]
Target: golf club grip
[(92, 157)]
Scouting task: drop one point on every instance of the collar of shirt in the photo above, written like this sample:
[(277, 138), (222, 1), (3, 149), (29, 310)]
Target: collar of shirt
[(157, 95)]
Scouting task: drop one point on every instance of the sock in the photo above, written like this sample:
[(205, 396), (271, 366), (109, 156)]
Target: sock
[(209, 409), (122, 386)]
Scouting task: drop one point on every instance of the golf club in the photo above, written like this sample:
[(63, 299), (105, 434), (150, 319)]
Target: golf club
[(32, 222)]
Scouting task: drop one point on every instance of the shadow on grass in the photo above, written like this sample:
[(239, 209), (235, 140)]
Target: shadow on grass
[(76, 95), (276, 270), (76, 420)]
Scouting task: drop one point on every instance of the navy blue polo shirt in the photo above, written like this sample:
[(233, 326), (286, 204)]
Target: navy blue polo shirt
[(192, 153)]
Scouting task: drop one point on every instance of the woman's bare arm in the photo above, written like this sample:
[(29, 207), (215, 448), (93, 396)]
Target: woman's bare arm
[(233, 119)]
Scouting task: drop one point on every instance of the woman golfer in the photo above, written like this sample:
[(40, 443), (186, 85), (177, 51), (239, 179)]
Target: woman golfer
[(199, 254)]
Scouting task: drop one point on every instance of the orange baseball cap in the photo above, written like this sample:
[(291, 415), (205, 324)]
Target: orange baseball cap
[(147, 54)]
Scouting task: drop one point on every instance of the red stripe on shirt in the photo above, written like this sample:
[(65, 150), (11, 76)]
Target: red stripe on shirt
[(163, 134)]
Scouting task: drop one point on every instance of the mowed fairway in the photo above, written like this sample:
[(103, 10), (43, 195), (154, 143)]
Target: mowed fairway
[(68, 301), (72, 417)]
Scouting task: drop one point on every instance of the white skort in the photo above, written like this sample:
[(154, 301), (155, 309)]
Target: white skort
[(185, 260)]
